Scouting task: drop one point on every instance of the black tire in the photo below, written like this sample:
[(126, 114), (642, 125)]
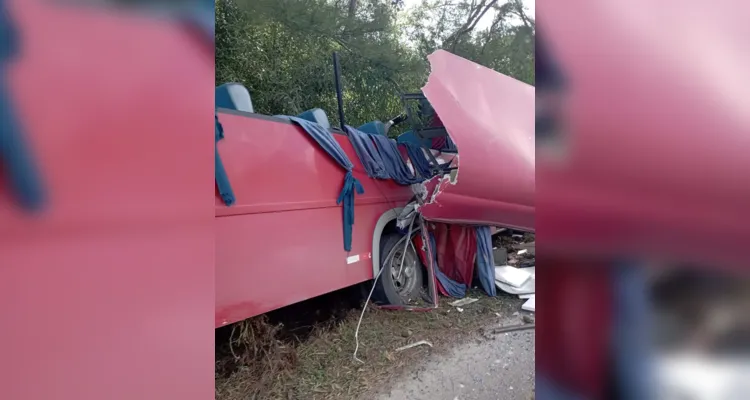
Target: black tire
[(386, 291)]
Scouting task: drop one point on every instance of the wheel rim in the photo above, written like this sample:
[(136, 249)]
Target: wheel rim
[(407, 280)]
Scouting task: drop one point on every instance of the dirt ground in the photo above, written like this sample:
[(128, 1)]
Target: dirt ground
[(305, 351), (493, 367), (268, 363)]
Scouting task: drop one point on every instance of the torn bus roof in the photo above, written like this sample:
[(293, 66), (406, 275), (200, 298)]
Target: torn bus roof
[(490, 118)]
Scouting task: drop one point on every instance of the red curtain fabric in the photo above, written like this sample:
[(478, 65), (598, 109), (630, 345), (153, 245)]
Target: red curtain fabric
[(574, 325), (456, 252)]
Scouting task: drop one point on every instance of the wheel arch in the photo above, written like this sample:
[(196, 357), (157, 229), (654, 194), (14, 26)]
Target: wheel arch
[(384, 220)]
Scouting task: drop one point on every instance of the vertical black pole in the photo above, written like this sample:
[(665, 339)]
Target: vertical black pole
[(339, 96)]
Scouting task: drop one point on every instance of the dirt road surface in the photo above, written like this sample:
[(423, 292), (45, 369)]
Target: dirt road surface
[(497, 368)]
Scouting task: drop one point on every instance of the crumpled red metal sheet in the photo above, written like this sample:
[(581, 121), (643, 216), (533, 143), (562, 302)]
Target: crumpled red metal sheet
[(657, 133), (490, 117)]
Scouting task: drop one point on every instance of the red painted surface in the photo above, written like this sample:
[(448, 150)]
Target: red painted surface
[(658, 137), (282, 242), (490, 117), (109, 293)]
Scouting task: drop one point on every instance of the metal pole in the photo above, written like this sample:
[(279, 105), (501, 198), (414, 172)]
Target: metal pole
[(339, 96)]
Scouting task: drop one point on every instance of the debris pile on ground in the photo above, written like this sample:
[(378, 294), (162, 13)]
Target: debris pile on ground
[(515, 271)]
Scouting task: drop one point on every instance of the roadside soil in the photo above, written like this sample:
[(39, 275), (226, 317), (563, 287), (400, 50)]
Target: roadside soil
[(269, 362), (305, 351), (490, 367)]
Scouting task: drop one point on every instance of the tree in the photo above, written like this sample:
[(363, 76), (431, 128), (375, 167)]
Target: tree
[(281, 49), (506, 45)]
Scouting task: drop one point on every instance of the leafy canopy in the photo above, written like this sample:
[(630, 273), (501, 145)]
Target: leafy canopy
[(281, 49)]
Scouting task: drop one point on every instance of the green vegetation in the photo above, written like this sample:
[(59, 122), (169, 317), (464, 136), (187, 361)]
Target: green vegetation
[(281, 49)]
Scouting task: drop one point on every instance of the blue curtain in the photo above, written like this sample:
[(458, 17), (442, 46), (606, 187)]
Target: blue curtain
[(632, 344), (393, 162), (19, 167), (367, 153), (382, 160), (418, 159), (327, 142), (220, 175), (485, 260), (202, 18)]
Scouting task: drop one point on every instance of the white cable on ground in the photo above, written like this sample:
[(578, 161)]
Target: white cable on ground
[(374, 282), (356, 332)]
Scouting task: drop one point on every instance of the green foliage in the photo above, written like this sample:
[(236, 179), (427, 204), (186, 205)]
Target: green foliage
[(281, 50)]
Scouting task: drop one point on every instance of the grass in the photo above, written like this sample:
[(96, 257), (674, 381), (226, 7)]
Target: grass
[(265, 363)]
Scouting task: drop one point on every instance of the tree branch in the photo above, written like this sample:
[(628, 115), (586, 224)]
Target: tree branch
[(476, 14)]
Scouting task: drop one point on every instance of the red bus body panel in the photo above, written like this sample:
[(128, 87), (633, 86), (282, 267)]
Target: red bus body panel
[(282, 241)]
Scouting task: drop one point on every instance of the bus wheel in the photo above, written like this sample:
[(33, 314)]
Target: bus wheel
[(402, 275)]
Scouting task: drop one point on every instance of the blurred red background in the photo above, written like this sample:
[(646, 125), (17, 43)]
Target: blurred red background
[(107, 292), (644, 169)]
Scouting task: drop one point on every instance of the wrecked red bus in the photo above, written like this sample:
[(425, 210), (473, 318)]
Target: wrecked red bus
[(282, 240), (279, 237)]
